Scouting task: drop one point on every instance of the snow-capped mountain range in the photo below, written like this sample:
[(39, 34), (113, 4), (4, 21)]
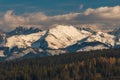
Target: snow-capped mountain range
[(22, 43)]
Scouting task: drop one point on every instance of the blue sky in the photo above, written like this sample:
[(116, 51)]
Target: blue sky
[(101, 14), (53, 7)]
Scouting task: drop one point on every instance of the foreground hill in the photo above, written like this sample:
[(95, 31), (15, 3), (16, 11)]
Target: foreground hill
[(92, 65)]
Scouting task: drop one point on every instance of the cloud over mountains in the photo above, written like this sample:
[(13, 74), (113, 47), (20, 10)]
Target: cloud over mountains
[(104, 16)]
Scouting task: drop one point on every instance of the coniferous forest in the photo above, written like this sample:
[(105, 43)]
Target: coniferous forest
[(92, 65)]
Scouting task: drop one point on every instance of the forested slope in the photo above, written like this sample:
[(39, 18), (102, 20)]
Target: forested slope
[(92, 65)]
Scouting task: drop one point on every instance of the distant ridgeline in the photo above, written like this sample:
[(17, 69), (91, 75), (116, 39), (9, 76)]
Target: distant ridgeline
[(88, 65), (34, 42), (23, 31)]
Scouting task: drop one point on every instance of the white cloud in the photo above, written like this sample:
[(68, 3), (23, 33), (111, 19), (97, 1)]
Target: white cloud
[(105, 12), (65, 17), (11, 18), (106, 16), (39, 19)]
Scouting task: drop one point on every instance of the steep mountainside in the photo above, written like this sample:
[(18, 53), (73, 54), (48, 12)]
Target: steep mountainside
[(58, 40), (23, 41), (63, 36)]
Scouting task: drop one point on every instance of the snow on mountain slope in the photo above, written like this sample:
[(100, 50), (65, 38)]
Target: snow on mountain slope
[(115, 32), (59, 37), (63, 36), (27, 53), (16, 55), (58, 40), (2, 39), (23, 41), (103, 38), (2, 53), (97, 47)]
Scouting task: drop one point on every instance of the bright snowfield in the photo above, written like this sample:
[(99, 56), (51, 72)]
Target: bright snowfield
[(57, 40), (104, 38), (63, 36), (23, 41)]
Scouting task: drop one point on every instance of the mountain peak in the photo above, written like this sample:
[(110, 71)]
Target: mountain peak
[(22, 30), (62, 36)]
